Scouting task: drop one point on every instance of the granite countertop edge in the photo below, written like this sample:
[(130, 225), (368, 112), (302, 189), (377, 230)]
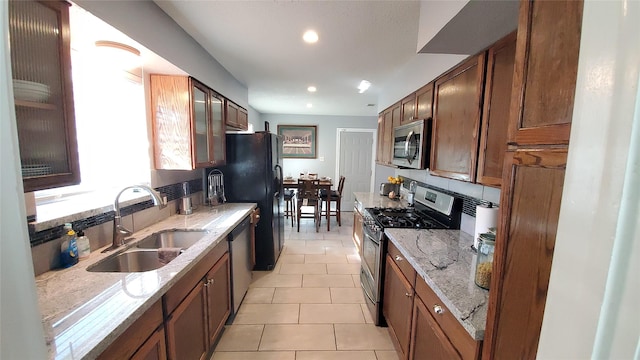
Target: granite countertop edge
[(64, 292), (474, 325)]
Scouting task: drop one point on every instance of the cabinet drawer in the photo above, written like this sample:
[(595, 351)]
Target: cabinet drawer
[(180, 290), (403, 264), (459, 337)]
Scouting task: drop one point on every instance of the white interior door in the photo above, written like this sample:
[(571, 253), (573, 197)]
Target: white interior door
[(355, 162)]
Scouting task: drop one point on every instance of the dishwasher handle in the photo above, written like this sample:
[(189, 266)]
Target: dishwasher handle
[(244, 224)]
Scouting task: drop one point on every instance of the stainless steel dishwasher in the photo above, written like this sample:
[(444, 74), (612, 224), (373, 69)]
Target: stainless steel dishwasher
[(240, 253)]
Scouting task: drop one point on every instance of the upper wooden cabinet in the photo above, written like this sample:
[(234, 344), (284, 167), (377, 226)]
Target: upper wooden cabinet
[(42, 88), (495, 113), (424, 102), (385, 135), (456, 120), (417, 106), (545, 72), (236, 117), (188, 131)]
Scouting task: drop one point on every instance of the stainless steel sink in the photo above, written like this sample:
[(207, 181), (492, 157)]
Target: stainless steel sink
[(135, 260), (172, 239)]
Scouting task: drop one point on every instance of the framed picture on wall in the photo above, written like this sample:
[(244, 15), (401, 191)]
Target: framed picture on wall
[(298, 141)]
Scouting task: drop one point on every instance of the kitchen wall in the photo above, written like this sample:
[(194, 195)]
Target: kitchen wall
[(327, 135)]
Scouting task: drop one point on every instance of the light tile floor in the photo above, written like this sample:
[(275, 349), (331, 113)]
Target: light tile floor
[(310, 307)]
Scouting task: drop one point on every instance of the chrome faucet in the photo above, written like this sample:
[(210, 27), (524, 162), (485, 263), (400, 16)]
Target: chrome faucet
[(119, 231)]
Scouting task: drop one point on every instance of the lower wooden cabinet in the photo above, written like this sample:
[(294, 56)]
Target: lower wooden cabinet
[(357, 229), (154, 348), (397, 306), (142, 334), (217, 286), (187, 327), (429, 341), (421, 327)]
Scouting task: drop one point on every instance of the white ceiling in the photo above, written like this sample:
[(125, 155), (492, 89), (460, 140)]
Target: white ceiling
[(260, 44)]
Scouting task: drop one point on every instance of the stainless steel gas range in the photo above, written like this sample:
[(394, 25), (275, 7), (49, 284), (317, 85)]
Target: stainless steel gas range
[(432, 210)]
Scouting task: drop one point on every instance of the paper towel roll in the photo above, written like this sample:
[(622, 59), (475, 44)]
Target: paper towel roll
[(485, 218)]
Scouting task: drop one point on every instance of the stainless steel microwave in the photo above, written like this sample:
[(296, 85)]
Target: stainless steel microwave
[(412, 144)]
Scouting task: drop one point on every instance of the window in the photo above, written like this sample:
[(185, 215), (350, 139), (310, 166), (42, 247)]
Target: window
[(111, 127)]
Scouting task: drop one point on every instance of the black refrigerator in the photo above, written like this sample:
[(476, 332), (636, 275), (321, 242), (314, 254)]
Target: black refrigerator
[(254, 174)]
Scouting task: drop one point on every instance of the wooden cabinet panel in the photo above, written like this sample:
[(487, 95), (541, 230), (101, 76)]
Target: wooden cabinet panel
[(424, 102), (218, 146), (495, 114), (43, 92), (380, 138), (407, 270), (465, 345), (456, 120), (187, 327), (545, 72), (530, 206), (218, 297), (134, 338), (186, 136), (154, 348), (236, 117), (387, 137), (357, 229), (408, 109), (396, 116), (255, 218), (397, 306), (429, 342)]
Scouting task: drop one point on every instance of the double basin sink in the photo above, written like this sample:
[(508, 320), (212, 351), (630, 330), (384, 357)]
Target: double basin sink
[(150, 252)]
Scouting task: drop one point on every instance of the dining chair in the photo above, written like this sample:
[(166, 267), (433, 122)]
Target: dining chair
[(333, 195), (308, 196), (290, 205)]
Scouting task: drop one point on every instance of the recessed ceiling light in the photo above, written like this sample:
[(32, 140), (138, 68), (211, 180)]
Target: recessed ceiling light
[(310, 36), (364, 85), (311, 89), (309, 105)]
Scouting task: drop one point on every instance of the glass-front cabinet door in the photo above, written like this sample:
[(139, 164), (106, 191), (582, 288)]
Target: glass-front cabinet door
[(201, 126), (218, 129), (43, 95)]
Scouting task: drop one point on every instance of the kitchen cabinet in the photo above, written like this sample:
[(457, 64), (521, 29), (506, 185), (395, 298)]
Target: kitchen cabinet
[(357, 229), (154, 348), (408, 109), (424, 102), (188, 131), (398, 300), (456, 120), (385, 137), (420, 325), (197, 307), (43, 93), (141, 340), (217, 286), (236, 117), (187, 327), (429, 342), (495, 113), (546, 70), (547, 48)]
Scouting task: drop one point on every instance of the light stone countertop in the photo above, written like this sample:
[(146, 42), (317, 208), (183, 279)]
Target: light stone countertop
[(369, 200), (84, 312), (444, 259)]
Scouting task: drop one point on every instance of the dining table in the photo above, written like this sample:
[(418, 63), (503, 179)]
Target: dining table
[(325, 185)]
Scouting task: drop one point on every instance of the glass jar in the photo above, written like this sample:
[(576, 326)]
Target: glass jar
[(484, 262)]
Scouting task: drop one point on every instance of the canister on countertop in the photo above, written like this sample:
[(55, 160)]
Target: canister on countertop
[(484, 263), (185, 205)]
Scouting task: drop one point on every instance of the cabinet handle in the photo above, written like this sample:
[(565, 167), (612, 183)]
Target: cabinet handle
[(211, 281), (408, 294), (398, 258), (438, 309)]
